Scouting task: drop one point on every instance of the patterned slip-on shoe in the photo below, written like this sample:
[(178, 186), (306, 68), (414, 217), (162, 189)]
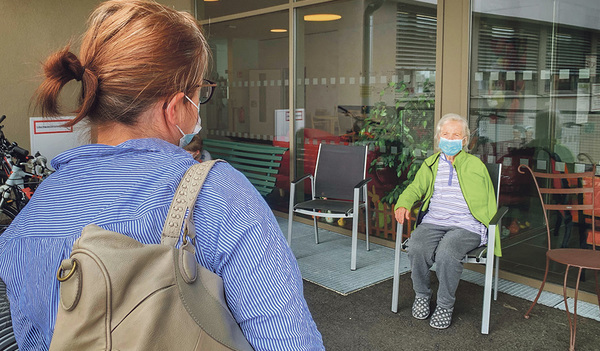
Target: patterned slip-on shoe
[(420, 308), (441, 318)]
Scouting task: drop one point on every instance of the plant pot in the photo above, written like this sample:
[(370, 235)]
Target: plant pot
[(386, 176)]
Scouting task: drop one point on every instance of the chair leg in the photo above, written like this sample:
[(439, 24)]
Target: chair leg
[(496, 269), (291, 214), (396, 280), (316, 225), (290, 221), (355, 217), (366, 216), (573, 321), (597, 290), (487, 296), (354, 240), (541, 288)]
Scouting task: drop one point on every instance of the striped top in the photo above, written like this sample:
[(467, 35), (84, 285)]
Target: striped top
[(448, 207), (128, 189)]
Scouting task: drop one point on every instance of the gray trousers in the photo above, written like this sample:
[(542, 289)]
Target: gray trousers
[(445, 246)]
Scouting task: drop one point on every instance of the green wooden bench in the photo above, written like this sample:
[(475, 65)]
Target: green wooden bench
[(259, 163)]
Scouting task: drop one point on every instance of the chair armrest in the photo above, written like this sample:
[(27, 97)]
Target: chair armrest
[(499, 214), (362, 183), (302, 178)]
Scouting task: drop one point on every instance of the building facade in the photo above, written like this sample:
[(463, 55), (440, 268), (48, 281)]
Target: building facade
[(524, 73)]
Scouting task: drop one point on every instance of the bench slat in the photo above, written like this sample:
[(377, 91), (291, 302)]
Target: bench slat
[(257, 182), (264, 191), (255, 170), (246, 147), (259, 163), (241, 160), (264, 179), (245, 154)]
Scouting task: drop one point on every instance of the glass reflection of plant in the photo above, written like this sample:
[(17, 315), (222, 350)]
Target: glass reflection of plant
[(401, 133)]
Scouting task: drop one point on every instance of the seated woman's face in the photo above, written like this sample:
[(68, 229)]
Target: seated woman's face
[(452, 130)]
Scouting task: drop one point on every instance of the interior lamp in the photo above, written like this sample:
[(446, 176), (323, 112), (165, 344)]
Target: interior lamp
[(322, 17)]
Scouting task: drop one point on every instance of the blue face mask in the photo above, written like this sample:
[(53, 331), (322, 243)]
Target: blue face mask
[(187, 138), (450, 147)]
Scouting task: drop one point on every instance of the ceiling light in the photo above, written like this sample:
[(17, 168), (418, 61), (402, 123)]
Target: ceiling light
[(321, 17), (278, 30), (211, 0)]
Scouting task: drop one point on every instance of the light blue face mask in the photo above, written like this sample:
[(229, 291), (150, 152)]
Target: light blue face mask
[(450, 147), (187, 138)]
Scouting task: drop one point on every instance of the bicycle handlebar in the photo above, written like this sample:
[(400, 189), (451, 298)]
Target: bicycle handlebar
[(19, 153), (2, 118)]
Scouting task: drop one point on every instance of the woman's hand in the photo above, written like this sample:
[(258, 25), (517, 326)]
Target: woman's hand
[(401, 214)]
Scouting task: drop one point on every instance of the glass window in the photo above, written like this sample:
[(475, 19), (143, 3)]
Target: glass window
[(250, 65), (206, 9), (367, 76), (535, 99)]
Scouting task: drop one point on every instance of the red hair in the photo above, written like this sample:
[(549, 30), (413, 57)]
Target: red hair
[(133, 54)]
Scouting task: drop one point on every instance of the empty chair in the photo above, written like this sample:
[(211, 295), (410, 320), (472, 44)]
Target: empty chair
[(339, 190), (570, 199)]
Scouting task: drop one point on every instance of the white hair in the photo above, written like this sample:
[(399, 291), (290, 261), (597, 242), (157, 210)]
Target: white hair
[(452, 117)]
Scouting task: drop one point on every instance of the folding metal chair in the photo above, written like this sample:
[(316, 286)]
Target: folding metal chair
[(481, 255), (571, 198), (336, 190)]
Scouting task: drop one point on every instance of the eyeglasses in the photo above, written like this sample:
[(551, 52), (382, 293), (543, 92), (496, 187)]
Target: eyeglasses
[(207, 88)]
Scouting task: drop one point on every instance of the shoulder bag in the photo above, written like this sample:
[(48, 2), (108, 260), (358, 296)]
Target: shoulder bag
[(119, 294)]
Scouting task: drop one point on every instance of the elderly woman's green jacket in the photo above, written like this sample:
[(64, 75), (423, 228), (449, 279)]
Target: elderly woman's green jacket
[(475, 183)]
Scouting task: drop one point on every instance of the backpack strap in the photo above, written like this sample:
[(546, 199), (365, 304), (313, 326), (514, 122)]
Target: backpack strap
[(180, 215)]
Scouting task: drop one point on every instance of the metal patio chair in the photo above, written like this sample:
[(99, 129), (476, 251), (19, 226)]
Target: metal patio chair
[(339, 190), (581, 187), (481, 255)]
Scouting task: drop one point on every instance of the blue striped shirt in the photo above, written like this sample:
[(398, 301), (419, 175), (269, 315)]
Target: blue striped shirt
[(448, 207), (128, 189)]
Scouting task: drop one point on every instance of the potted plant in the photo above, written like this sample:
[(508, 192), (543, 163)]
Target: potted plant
[(399, 128)]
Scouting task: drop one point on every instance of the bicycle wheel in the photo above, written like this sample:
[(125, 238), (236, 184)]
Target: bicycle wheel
[(7, 214)]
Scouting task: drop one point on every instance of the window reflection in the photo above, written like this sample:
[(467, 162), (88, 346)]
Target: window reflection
[(535, 91)]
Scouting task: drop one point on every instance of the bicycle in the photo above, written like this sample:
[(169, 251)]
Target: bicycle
[(26, 173)]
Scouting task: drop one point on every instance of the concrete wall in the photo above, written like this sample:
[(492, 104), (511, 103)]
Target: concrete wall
[(31, 30)]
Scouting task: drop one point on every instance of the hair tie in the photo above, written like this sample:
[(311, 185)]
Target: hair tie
[(80, 76)]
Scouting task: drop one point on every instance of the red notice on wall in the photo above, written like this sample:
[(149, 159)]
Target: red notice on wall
[(51, 126)]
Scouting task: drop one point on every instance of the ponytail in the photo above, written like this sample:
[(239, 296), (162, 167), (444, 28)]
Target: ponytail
[(134, 54), (59, 69)]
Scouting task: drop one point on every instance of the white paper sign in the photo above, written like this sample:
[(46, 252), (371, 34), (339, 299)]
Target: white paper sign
[(50, 137)]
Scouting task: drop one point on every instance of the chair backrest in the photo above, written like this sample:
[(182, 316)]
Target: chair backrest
[(495, 171), (339, 168), (574, 188)]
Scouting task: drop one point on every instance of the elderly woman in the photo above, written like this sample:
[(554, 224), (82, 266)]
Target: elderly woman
[(458, 203)]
